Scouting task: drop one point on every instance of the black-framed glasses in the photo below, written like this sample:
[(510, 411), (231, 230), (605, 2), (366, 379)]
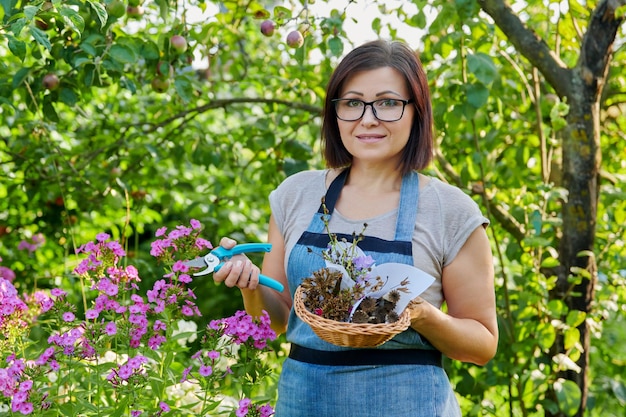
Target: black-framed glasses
[(385, 109)]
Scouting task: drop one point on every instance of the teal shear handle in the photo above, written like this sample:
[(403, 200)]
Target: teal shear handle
[(263, 280), (224, 253), (214, 260)]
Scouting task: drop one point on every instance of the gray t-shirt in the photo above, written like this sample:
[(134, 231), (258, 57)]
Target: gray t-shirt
[(445, 218)]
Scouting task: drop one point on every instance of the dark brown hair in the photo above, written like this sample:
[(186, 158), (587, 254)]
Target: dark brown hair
[(418, 152)]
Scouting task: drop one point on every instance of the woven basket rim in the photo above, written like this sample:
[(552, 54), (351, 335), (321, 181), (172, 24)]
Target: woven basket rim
[(357, 329)]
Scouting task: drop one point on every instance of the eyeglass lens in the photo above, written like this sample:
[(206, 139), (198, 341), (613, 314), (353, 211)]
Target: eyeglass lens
[(387, 110)]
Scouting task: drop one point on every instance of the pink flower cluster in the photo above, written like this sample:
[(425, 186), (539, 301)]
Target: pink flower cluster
[(35, 242), (10, 302), (245, 406), (118, 316), (132, 367), (181, 235), (242, 327)]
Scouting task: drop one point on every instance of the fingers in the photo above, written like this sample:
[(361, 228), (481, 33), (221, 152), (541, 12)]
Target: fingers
[(228, 243), (238, 272)]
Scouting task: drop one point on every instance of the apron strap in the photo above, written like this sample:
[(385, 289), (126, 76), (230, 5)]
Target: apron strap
[(407, 210)]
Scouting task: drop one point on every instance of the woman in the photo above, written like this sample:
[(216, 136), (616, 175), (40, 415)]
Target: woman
[(377, 133)]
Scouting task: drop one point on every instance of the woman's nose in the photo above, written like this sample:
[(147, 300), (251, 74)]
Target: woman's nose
[(369, 117)]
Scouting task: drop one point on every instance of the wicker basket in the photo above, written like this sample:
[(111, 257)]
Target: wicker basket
[(349, 334)]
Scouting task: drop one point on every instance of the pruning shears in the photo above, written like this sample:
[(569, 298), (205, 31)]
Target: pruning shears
[(214, 260)]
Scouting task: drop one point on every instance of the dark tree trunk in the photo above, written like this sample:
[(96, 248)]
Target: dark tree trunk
[(582, 87)]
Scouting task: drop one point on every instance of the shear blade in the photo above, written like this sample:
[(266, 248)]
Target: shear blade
[(196, 263)]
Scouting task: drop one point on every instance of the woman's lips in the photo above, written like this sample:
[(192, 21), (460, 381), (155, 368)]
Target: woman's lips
[(370, 138)]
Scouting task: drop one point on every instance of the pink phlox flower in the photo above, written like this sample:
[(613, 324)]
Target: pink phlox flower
[(102, 237), (159, 325), (10, 302), (117, 249), (124, 372), (185, 278), (138, 320), (180, 266), (92, 314), (136, 361), (203, 244), (7, 273), (57, 292), (45, 356), (135, 413), (159, 247), (35, 242), (205, 370), (68, 317), (195, 224), (163, 406), (161, 231), (110, 328), (159, 307), (107, 287), (156, 341), (43, 300), (244, 404), (185, 374), (213, 354), (266, 411), (88, 351), (186, 311), (180, 231), (26, 385), (132, 274)]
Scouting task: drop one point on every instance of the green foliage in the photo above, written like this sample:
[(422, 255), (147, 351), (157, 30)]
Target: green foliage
[(106, 150)]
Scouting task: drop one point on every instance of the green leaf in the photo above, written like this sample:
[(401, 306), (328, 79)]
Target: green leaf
[(68, 96), (546, 335), (18, 25), (568, 395), (149, 50), (17, 47), (477, 95), (122, 54), (183, 88), (49, 110), (20, 76), (571, 337), (418, 20), (335, 45), (101, 12), (73, 19), (6, 6), (550, 262), (281, 13), (556, 308), (575, 318), (482, 66), (41, 37), (30, 12), (376, 25)]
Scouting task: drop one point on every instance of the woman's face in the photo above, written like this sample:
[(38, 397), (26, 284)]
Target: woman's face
[(369, 139)]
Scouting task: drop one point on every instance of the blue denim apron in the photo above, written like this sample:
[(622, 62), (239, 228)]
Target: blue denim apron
[(401, 378)]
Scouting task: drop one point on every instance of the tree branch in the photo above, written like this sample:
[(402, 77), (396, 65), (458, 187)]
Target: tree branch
[(504, 218), (529, 44), (219, 103), (597, 44)]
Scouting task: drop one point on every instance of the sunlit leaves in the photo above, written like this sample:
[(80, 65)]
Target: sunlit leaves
[(569, 396)]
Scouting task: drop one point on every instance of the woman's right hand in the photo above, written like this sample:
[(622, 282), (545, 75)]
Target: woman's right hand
[(238, 271)]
